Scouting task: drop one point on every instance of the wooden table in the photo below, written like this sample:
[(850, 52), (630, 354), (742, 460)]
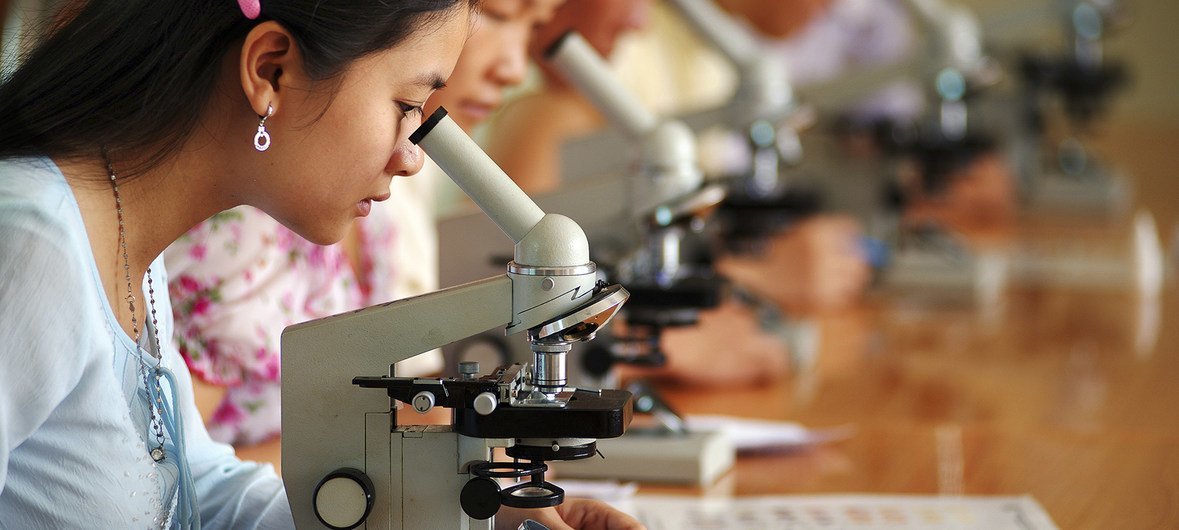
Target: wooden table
[(1053, 395)]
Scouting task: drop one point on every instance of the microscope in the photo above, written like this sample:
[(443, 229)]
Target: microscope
[(761, 198), (638, 221), (948, 69), (641, 222), (1057, 171), (348, 463)]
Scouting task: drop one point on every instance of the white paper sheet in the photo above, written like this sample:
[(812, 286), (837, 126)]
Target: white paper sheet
[(909, 512), (754, 435)]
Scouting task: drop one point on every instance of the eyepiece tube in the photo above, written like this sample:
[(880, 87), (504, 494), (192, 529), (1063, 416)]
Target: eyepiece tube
[(719, 29), (582, 66), (478, 176)]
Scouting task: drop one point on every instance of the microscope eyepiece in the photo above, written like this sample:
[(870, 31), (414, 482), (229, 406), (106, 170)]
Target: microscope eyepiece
[(427, 126), (551, 49)]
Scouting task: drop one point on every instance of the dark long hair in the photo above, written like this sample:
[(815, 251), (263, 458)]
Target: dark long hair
[(134, 74)]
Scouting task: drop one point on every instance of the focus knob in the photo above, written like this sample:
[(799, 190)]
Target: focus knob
[(480, 498), (343, 499), (485, 403)]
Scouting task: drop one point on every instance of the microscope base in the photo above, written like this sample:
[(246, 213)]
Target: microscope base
[(973, 278), (1096, 193), (697, 458)]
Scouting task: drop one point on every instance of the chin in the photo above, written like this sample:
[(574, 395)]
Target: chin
[(322, 233)]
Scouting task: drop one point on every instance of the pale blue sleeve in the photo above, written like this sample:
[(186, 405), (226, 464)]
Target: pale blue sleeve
[(42, 338), (231, 493)]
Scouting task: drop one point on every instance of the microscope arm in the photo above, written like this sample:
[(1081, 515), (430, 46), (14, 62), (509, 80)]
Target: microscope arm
[(952, 40), (667, 164), (324, 414), (763, 91), (833, 96), (953, 33), (581, 65), (720, 30)]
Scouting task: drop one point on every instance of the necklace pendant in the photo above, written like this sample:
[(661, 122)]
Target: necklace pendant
[(157, 454)]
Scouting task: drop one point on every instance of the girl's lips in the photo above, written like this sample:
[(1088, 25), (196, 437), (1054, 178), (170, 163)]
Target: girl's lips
[(366, 205), (477, 111)]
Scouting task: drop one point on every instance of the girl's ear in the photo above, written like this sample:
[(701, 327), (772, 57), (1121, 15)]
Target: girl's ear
[(269, 61)]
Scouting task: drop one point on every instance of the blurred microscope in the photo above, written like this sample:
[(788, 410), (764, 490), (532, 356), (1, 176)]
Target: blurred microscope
[(760, 125), (348, 463), (1064, 90), (876, 166), (1062, 96), (779, 123), (942, 145), (638, 218), (762, 111)]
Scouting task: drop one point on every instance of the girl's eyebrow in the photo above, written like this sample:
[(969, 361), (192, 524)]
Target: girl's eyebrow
[(432, 81)]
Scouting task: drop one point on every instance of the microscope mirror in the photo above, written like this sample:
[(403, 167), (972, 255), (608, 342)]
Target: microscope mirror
[(581, 324)]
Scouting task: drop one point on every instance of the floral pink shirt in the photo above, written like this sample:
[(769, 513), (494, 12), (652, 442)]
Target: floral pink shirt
[(239, 278)]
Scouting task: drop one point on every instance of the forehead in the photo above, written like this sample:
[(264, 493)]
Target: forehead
[(525, 8), (425, 58), (542, 8)]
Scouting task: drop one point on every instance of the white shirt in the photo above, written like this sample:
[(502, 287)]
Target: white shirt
[(73, 423)]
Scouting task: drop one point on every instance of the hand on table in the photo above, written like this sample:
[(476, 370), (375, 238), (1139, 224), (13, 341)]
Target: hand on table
[(579, 514), (978, 199), (727, 346), (815, 266)]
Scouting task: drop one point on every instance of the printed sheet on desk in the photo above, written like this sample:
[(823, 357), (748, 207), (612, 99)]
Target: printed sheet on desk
[(910, 512)]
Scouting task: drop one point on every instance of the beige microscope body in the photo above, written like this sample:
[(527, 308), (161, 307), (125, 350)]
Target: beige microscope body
[(346, 463)]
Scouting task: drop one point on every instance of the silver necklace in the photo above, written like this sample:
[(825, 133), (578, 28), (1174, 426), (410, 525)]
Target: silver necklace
[(157, 453)]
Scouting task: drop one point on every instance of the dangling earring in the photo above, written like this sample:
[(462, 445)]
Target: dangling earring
[(262, 138)]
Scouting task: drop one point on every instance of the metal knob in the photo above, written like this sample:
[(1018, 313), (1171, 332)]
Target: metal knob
[(485, 403), (468, 369), (423, 401), (343, 499)]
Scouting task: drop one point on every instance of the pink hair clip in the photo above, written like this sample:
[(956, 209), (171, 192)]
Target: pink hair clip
[(250, 8)]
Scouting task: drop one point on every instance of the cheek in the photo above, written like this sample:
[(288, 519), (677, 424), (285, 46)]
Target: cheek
[(364, 144)]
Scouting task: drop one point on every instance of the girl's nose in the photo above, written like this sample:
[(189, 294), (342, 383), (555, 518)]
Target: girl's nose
[(512, 64), (407, 159)]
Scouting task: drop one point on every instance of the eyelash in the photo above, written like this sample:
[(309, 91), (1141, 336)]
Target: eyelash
[(409, 110)]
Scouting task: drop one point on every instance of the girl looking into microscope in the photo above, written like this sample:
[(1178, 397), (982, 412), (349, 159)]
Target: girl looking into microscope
[(239, 278), (134, 121)]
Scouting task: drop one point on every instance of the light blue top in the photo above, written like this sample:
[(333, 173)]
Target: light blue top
[(74, 425)]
